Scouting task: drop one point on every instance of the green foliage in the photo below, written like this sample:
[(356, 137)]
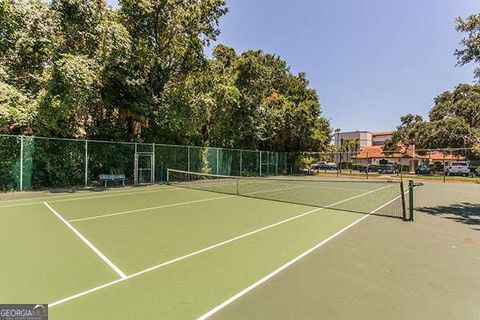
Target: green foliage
[(28, 39), (16, 110), (77, 68), (470, 51), (454, 122), (350, 145), (70, 91)]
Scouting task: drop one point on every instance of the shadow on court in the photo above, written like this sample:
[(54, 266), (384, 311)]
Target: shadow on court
[(466, 212), (384, 268)]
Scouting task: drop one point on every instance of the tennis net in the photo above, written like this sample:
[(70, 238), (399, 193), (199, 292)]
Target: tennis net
[(385, 198)]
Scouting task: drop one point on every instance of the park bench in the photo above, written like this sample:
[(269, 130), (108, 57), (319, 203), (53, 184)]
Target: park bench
[(105, 178)]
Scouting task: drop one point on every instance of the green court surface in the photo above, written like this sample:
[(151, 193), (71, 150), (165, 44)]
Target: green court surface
[(166, 252)]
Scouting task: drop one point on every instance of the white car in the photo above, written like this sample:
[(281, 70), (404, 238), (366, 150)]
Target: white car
[(458, 168)]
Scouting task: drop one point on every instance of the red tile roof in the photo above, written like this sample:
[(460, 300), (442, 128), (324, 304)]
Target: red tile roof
[(438, 156), (377, 152)]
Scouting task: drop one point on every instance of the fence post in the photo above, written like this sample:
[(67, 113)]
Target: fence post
[(444, 169), (401, 166), (218, 160), (410, 199), (260, 164), (368, 165), (21, 163), (188, 159), (241, 163), (86, 163), (154, 167), (276, 164)]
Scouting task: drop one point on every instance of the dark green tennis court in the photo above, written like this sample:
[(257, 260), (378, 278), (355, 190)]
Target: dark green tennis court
[(172, 251)]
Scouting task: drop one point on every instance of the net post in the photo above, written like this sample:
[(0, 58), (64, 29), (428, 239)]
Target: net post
[(410, 199), (404, 209), (168, 176), (86, 163), (21, 163)]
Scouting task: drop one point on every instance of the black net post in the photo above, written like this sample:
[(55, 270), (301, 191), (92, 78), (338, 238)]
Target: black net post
[(404, 210), (410, 199)]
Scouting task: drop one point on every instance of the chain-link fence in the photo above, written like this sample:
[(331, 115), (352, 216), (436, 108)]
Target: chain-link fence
[(430, 164), (32, 163)]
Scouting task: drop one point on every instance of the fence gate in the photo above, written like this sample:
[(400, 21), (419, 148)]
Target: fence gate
[(144, 171)]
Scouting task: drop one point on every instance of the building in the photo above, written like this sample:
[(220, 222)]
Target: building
[(375, 155), (365, 138), (379, 138)]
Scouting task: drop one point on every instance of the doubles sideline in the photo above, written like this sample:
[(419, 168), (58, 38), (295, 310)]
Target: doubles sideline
[(87, 197), (156, 267), (288, 264)]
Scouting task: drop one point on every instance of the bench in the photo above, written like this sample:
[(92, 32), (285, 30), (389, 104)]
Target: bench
[(105, 178)]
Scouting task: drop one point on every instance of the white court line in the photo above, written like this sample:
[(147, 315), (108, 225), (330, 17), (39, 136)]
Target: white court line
[(88, 243), (81, 294), (80, 193), (288, 264), (170, 188), (108, 215)]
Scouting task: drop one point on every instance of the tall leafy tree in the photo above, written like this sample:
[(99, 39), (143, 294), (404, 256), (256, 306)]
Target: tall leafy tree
[(470, 51), (454, 122), (78, 68)]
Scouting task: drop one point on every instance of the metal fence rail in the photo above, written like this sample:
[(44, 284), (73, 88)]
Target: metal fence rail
[(32, 163)]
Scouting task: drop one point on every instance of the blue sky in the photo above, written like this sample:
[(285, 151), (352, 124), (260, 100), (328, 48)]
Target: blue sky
[(370, 61)]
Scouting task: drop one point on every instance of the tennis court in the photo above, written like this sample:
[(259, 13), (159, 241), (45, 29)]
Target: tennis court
[(175, 251)]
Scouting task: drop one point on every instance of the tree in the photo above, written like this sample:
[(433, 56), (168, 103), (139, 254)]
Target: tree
[(28, 39), (454, 122), (470, 51), (77, 68)]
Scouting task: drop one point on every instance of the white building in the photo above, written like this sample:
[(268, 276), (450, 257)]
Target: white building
[(365, 138)]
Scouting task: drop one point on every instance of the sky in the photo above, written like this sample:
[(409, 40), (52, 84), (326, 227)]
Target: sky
[(370, 61)]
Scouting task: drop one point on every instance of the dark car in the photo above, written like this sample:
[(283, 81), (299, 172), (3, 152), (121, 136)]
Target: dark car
[(369, 168), (324, 166), (423, 169), (387, 169)]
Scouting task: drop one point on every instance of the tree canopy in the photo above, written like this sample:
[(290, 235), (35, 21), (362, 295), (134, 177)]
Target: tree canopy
[(454, 120), (78, 68), (470, 50)]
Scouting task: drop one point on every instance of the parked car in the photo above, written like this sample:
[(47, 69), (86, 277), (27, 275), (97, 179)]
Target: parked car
[(387, 169), (369, 168), (322, 165), (423, 169), (458, 168)]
